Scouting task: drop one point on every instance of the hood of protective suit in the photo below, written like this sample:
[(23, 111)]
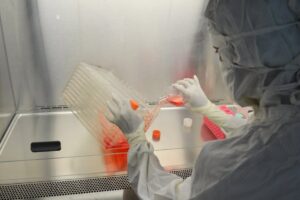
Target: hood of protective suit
[(258, 42)]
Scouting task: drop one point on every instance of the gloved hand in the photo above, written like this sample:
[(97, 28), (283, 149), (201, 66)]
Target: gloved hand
[(198, 102), (192, 92), (130, 123)]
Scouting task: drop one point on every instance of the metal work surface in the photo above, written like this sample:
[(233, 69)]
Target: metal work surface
[(80, 157)]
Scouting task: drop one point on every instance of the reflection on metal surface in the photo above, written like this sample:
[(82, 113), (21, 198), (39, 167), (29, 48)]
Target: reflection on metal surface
[(48, 126), (80, 156), (149, 44), (7, 104)]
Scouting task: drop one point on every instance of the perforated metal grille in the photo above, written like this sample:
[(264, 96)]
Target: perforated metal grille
[(68, 187)]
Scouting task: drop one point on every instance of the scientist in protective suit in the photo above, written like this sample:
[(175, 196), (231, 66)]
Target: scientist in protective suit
[(258, 44)]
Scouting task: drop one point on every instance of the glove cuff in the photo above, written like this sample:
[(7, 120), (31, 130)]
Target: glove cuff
[(212, 112), (203, 109), (137, 137)]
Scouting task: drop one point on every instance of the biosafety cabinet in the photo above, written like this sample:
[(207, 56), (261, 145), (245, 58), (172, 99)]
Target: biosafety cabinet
[(45, 152)]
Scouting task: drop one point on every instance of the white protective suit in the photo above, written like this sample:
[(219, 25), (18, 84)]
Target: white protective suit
[(258, 42)]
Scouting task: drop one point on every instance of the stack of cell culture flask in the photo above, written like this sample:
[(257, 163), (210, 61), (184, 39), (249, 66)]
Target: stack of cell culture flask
[(87, 94)]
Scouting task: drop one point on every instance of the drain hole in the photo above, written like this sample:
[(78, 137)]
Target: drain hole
[(45, 146)]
